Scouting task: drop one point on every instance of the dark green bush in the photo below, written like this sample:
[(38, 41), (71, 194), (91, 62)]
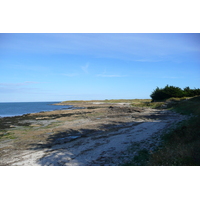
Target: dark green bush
[(172, 91), (191, 92)]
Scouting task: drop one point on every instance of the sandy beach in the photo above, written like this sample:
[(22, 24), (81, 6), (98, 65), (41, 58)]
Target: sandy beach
[(96, 134)]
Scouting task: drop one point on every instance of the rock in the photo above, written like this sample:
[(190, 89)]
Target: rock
[(137, 110), (35, 125)]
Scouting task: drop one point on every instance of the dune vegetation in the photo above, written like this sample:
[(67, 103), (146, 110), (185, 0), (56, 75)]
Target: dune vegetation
[(181, 144)]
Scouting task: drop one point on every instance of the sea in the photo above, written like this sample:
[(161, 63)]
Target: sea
[(21, 108)]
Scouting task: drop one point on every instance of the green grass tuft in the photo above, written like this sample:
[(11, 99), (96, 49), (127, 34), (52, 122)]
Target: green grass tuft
[(181, 145), (8, 135), (140, 159), (149, 104)]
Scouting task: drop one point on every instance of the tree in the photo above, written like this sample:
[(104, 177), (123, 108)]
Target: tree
[(172, 91)]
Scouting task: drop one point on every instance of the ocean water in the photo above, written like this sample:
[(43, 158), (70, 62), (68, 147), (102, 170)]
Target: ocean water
[(18, 108)]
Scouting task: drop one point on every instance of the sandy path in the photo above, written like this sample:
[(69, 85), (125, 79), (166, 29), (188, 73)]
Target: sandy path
[(103, 147)]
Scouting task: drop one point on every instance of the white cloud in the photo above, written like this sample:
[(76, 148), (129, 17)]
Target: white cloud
[(172, 77), (118, 46), (110, 75), (71, 74), (18, 84), (85, 68), (17, 87), (148, 60)]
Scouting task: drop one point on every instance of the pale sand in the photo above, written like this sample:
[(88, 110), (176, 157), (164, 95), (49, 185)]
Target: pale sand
[(109, 147)]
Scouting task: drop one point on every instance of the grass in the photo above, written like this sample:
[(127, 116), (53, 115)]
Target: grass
[(132, 101), (141, 158), (148, 104), (8, 135), (181, 144), (191, 106), (110, 101), (171, 102)]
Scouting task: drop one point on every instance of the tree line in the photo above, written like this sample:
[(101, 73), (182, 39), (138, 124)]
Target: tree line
[(172, 91)]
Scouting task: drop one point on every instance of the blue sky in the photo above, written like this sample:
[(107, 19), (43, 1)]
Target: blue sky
[(59, 67)]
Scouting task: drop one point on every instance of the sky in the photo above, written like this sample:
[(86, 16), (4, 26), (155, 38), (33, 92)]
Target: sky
[(95, 66)]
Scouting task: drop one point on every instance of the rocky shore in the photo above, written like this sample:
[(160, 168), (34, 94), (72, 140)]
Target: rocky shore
[(94, 134)]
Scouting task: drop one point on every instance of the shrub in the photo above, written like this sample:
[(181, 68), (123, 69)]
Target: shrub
[(167, 92)]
